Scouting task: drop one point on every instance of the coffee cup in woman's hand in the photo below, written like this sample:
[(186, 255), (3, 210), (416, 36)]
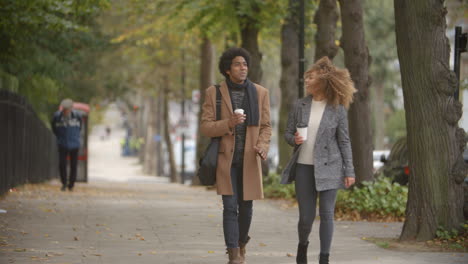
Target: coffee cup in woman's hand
[(298, 139)]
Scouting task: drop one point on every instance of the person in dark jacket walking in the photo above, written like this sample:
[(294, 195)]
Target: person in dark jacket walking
[(322, 161), (66, 125)]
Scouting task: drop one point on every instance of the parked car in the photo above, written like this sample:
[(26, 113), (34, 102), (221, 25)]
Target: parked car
[(379, 156), (396, 163)]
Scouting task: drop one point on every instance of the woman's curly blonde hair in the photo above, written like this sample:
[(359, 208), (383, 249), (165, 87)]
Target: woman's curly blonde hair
[(336, 83)]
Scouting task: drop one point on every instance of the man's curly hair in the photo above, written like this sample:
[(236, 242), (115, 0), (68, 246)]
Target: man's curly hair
[(336, 83), (226, 58)]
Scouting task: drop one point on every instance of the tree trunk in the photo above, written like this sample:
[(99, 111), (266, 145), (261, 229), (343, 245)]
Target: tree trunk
[(379, 115), (435, 142), (249, 34), (159, 131), (173, 175), (357, 60), (325, 19), (149, 159), (206, 80), (289, 77), (141, 121)]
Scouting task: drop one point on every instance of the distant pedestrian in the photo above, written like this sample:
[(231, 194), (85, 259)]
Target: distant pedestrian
[(108, 132), (322, 161), (66, 125), (245, 132)]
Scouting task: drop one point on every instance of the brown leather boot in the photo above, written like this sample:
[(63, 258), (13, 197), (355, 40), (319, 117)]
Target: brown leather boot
[(242, 250), (234, 256)]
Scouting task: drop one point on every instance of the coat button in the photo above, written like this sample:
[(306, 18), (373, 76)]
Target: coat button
[(325, 164), (232, 150), (325, 147)]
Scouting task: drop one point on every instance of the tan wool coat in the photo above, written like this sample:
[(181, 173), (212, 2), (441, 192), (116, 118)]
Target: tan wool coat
[(256, 136)]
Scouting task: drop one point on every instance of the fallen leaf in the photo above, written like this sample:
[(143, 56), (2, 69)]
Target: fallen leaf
[(289, 255)]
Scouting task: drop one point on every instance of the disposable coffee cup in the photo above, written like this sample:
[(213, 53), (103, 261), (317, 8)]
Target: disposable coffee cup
[(302, 131), (239, 111)]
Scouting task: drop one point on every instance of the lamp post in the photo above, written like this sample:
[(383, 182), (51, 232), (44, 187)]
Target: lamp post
[(460, 47), (301, 13)]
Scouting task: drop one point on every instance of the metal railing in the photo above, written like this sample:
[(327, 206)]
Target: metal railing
[(28, 150)]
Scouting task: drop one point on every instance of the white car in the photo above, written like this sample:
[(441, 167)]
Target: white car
[(377, 157)]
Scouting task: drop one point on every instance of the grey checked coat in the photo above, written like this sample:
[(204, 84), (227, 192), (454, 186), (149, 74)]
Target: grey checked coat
[(333, 159)]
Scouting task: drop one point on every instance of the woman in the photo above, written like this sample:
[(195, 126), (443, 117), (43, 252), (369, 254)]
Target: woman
[(322, 161)]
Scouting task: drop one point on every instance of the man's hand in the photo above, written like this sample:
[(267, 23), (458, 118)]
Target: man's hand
[(236, 119), (349, 181), (261, 153), (298, 139)]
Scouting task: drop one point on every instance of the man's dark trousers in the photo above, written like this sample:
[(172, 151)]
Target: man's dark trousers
[(63, 153)]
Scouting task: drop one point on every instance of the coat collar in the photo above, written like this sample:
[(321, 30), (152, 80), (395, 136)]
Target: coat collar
[(226, 96)]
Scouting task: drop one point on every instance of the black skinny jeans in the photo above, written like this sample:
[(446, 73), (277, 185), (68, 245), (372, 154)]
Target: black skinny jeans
[(306, 195), (237, 213)]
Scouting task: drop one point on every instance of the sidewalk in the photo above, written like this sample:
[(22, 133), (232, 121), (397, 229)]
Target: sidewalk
[(166, 223), (124, 217)]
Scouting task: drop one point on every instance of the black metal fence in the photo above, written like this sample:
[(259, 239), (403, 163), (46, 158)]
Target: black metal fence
[(28, 152)]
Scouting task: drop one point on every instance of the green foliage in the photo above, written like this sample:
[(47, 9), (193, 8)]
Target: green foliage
[(224, 17), (48, 50), (272, 187), (396, 126), (454, 239), (8, 82), (442, 233), (383, 244), (380, 197), (445, 234)]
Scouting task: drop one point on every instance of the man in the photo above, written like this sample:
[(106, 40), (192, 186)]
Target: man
[(245, 140), (66, 125)]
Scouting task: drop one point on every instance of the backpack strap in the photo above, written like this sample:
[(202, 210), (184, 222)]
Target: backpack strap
[(218, 102)]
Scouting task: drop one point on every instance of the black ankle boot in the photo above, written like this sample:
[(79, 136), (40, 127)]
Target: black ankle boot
[(323, 258), (301, 257)]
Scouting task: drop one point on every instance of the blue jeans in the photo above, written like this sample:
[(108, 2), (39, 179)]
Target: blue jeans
[(237, 213)]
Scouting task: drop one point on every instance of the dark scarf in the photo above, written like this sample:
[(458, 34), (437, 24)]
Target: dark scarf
[(251, 108)]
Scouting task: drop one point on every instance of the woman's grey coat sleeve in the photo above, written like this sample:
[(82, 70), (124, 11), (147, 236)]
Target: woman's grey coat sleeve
[(291, 126), (344, 143)]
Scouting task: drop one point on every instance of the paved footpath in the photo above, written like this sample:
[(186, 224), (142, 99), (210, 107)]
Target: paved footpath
[(122, 216)]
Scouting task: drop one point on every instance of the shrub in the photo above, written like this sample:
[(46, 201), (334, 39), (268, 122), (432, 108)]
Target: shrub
[(274, 189), (379, 198)]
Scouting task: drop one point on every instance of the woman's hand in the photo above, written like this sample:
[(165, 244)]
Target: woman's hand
[(298, 139), (349, 181)]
